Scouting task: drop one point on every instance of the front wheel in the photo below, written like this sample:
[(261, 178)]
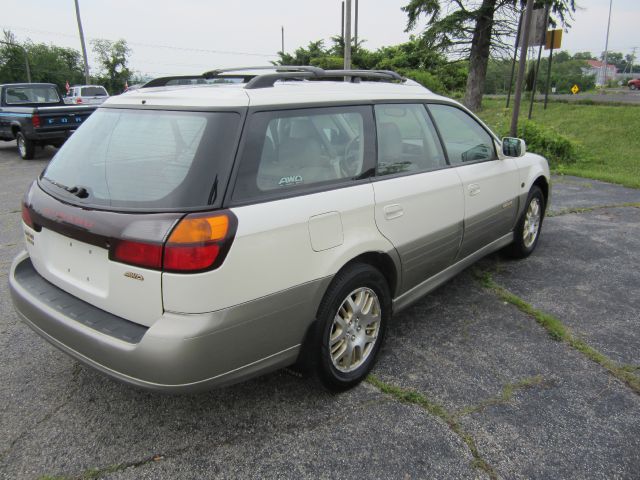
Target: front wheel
[(527, 231), (26, 148), (352, 320), (632, 86)]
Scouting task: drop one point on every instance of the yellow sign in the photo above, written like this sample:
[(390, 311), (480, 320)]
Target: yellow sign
[(553, 39), (575, 89)]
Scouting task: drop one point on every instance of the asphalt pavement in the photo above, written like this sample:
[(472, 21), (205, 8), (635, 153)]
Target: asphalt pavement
[(472, 381)]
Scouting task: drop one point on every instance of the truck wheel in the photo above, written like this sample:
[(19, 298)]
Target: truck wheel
[(26, 148)]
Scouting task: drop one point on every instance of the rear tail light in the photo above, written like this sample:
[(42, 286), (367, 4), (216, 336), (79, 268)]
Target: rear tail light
[(197, 243), (35, 120), (142, 254), (26, 216), (79, 100)]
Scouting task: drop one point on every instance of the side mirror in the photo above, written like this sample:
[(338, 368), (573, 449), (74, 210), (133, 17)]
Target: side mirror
[(513, 147)]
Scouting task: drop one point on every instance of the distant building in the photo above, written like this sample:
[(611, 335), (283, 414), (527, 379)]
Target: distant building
[(596, 68)]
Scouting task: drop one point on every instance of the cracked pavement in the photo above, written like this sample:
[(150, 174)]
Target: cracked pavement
[(460, 348)]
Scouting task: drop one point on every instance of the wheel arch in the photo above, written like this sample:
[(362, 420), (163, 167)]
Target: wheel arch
[(543, 184), (15, 128), (390, 269)]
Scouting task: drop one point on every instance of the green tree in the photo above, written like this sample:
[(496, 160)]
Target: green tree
[(472, 29), (113, 58), (48, 63), (413, 59)]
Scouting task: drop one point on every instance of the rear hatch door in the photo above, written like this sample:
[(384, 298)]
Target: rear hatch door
[(93, 95), (70, 247), (129, 176)]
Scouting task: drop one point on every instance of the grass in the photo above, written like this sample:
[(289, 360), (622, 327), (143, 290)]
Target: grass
[(504, 397), (556, 330), (565, 211), (609, 136), (416, 398)]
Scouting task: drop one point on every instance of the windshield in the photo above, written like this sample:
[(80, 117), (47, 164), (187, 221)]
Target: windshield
[(31, 94), (133, 159), (94, 92)]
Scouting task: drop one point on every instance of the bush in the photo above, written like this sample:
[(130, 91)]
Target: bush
[(545, 141), (426, 79)]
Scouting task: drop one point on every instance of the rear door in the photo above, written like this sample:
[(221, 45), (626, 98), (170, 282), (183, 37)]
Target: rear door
[(419, 200), (490, 184)]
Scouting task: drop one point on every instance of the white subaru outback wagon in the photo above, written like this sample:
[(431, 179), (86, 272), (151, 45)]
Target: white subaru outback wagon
[(192, 236)]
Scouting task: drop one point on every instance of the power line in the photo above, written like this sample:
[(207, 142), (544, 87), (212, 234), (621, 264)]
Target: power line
[(148, 45)]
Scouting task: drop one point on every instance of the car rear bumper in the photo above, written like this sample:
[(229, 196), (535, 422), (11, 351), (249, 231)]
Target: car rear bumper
[(179, 352), (51, 135)]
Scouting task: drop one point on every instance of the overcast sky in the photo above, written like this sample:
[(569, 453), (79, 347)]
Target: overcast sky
[(187, 36)]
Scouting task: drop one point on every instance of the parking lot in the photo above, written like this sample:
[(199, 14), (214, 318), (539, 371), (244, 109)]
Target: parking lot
[(515, 369)]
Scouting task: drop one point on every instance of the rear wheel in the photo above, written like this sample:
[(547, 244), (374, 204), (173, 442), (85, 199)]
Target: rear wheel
[(352, 321), (26, 148), (633, 86), (527, 231)]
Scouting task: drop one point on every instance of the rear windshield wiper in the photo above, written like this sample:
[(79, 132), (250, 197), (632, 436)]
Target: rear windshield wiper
[(77, 190)]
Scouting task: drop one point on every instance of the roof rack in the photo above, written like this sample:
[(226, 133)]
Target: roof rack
[(164, 81), (276, 68), (283, 72), (278, 72)]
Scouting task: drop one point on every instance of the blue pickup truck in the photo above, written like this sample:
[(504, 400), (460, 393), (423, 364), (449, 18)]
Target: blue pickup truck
[(34, 114)]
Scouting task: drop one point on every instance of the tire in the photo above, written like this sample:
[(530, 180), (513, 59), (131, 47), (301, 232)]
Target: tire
[(26, 148), (352, 319), (529, 226)]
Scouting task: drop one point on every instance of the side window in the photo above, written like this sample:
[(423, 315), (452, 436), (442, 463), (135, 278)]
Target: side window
[(293, 150), (407, 140), (463, 137)]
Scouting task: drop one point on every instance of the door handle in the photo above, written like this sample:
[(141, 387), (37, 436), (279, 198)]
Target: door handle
[(474, 189), (393, 211)]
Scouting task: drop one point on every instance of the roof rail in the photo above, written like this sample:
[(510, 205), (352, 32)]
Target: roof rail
[(276, 68), (164, 81), (273, 73), (355, 75)]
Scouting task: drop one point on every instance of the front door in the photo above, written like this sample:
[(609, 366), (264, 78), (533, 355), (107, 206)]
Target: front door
[(490, 184)]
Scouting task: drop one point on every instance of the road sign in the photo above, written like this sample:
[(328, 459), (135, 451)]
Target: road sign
[(553, 39), (575, 89)]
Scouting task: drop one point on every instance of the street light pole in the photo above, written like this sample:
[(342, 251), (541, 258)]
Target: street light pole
[(84, 48)]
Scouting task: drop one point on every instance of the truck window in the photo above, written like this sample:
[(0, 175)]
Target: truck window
[(31, 94)]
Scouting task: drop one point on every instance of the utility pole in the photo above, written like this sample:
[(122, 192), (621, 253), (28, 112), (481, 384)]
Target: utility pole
[(282, 50), (606, 46), (84, 48), (526, 25), (347, 36), (355, 35), (342, 26)]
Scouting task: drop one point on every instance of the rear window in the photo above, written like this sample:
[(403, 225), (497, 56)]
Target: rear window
[(42, 94), (132, 159), (94, 92)]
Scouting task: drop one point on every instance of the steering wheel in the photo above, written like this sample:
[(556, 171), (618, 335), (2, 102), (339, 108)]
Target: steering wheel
[(351, 164)]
